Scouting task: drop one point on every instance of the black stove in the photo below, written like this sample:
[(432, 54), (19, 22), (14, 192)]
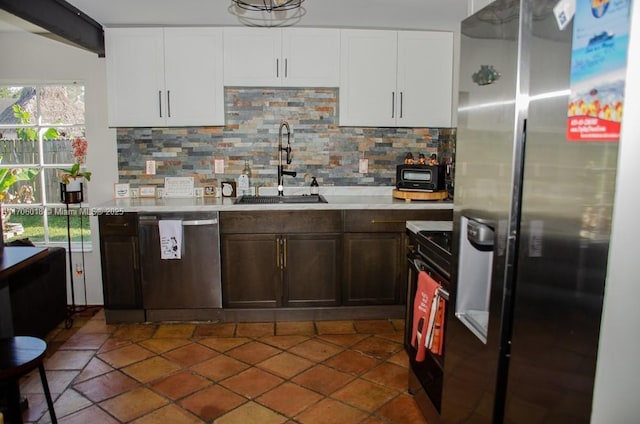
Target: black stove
[(430, 251), (435, 247)]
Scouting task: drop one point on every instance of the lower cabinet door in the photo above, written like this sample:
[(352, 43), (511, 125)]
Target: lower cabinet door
[(250, 273), (271, 270), (373, 269), (312, 270), (120, 272)]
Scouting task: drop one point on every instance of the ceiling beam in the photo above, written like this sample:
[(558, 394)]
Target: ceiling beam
[(62, 19)]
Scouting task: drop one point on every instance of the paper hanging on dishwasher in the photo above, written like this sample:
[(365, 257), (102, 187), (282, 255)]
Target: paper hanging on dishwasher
[(170, 238)]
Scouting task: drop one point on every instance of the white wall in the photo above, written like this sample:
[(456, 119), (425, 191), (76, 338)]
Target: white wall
[(618, 371), (475, 5), (26, 58)]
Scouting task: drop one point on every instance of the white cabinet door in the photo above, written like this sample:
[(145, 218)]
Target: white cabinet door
[(293, 57), (193, 76), (164, 77), (311, 57), (135, 76), (252, 56), (425, 78), (367, 78), (396, 79)]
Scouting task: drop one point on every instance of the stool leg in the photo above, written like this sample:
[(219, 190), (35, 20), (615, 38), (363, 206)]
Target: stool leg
[(13, 401), (47, 394)]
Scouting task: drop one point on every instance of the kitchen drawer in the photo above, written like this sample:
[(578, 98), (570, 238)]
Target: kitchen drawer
[(118, 225), (389, 221), (280, 222)]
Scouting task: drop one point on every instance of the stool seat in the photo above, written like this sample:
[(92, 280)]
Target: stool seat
[(18, 356)]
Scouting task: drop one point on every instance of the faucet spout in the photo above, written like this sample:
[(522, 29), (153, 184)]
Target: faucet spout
[(287, 149)]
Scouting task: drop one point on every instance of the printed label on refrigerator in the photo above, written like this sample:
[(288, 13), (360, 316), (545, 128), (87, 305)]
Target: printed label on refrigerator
[(598, 68)]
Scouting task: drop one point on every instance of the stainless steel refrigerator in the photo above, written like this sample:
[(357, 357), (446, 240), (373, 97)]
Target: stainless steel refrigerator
[(532, 215)]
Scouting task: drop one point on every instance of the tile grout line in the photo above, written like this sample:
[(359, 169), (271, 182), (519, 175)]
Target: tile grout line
[(192, 338)]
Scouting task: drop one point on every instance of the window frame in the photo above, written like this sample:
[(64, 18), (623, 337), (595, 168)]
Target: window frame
[(78, 214)]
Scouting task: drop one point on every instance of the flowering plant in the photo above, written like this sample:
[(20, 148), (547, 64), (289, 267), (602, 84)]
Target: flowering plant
[(79, 146)]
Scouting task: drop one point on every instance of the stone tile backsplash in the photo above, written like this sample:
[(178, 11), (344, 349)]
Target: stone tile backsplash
[(320, 147)]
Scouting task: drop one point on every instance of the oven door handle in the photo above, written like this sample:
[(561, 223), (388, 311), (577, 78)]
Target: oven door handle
[(422, 266)]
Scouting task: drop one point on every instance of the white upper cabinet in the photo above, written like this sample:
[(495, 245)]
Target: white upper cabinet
[(164, 77), (193, 67), (312, 57), (425, 78), (289, 57), (368, 78), (396, 78)]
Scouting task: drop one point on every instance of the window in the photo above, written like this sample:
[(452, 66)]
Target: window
[(37, 125)]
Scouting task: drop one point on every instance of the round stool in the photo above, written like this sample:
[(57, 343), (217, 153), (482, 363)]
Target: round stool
[(18, 356)]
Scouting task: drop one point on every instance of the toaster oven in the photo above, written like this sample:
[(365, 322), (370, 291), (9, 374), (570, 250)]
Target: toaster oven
[(420, 177)]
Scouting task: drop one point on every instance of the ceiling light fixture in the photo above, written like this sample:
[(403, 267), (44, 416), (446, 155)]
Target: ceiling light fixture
[(268, 13)]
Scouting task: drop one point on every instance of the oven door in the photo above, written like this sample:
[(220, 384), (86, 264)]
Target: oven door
[(426, 376)]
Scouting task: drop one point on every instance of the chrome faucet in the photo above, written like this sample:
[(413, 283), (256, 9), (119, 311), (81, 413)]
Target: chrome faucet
[(281, 171)]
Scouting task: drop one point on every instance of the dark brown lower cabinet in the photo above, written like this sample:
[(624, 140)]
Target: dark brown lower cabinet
[(275, 270), (280, 259), (120, 267), (289, 268), (311, 272), (374, 248), (373, 268), (250, 274)]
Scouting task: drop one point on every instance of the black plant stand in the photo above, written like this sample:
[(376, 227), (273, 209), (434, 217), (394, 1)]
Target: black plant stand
[(74, 197)]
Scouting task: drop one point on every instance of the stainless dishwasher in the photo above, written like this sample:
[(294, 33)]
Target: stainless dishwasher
[(181, 289)]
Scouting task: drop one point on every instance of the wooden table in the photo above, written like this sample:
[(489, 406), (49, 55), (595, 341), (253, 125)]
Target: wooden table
[(14, 259)]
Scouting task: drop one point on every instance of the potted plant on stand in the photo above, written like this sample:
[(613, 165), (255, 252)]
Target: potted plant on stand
[(72, 178)]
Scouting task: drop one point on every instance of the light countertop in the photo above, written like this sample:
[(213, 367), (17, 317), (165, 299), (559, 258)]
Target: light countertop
[(337, 198)]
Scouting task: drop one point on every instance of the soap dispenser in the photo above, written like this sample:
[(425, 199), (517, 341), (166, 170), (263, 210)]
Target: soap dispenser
[(315, 188), (244, 185)]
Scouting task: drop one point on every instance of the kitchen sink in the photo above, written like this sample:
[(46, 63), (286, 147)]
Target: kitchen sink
[(271, 200)]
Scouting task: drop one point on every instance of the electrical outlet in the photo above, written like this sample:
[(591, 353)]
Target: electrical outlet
[(363, 166), (151, 167), (218, 166)]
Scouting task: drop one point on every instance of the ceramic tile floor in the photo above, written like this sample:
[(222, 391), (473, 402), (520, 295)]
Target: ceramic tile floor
[(283, 372)]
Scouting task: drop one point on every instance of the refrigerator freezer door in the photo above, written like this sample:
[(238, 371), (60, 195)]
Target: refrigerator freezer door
[(485, 145)]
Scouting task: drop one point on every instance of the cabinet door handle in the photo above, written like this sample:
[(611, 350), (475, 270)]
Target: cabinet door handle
[(168, 103), (120, 225), (391, 221), (284, 254), (401, 104), (393, 104), (277, 68), (286, 66), (281, 253), (160, 102), (136, 263)]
